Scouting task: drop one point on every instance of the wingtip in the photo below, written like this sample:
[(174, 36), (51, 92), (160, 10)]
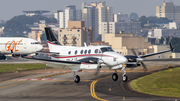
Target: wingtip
[(171, 47)]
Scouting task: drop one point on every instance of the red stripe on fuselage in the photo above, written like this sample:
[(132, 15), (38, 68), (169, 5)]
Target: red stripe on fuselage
[(79, 55)]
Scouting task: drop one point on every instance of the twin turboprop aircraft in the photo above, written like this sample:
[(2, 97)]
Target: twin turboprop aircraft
[(88, 57)]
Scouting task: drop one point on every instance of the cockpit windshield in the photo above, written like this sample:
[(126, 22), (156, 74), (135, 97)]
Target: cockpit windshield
[(35, 43), (107, 49)]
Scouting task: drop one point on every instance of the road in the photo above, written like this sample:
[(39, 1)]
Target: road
[(57, 85)]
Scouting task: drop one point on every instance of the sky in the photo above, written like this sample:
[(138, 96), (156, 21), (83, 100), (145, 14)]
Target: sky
[(11, 8)]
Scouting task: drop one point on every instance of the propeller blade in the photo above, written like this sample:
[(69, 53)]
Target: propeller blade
[(98, 68), (133, 51), (144, 66)]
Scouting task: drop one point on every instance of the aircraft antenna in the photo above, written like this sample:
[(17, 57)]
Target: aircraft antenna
[(85, 44)]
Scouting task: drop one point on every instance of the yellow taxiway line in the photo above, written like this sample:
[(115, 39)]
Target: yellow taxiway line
[(92, 89)]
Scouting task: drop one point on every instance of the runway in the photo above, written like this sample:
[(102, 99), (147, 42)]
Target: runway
[(58, 85)]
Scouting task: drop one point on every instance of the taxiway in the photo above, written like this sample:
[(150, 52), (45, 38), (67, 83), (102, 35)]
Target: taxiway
[(58, 85)]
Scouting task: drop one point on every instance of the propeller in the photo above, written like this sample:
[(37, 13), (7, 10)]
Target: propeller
[(144, 66), (133, 51), (98, 68), (100, 61), (139, 59)]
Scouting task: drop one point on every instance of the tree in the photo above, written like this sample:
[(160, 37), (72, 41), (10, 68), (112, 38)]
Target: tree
[(134, 17), (43, 37), (18, 24), (174, 40), (143, 20), (13, 28)]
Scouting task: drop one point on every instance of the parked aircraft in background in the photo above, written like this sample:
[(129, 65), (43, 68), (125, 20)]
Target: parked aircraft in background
[(88, 57), (19, 45)]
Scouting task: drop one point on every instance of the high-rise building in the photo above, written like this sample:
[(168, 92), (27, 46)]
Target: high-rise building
[(61, 20), (56, 14), (78, 15), (68, 15), (168, 10), (96, 13), (123, 27), (121, 17)]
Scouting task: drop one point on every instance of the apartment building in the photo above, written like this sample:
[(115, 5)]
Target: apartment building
[(96, 13), (75, 34), (121, 17), (69, 14), (168, 10), (124, 27)]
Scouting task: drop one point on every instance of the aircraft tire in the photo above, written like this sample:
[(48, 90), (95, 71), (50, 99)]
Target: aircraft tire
[(77, 79), (125, 78), (115, 77)]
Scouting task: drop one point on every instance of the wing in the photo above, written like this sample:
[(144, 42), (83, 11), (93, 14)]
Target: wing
[(147, 55), (72, 65), (50, 53), (173, 59)]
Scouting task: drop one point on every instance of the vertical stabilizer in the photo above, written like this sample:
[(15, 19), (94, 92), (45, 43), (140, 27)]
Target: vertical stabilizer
[(38, 38), (51, 38)]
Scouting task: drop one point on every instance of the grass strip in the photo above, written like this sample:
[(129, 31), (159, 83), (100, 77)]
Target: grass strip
[(20, 67), (164, 83)]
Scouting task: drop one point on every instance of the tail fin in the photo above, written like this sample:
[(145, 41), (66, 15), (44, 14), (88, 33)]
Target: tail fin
[(38, 38), (50, 36)]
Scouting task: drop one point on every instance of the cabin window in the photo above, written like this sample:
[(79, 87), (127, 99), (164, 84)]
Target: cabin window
[(35, 43), (89, 51), (81, 51), (75, 52), (96, 51), (69, 52), (85, 51)]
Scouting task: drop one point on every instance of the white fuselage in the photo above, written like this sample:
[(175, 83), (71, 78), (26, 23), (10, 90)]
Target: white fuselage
[(19, 45), (68, 53)]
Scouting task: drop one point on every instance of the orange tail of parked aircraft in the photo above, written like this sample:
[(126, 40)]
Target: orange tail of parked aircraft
[(38, 38)]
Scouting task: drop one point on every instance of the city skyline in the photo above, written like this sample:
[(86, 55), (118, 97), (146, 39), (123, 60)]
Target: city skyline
[(11, 8)]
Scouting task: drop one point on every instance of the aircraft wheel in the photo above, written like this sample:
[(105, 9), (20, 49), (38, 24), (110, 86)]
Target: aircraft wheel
[(124, 78), (115, 77), (77, 79)]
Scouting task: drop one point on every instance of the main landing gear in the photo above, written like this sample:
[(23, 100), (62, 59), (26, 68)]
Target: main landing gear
[(76, 78), (124, 76)]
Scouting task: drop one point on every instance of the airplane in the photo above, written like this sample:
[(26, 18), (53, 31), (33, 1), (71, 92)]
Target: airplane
[(87, 57), (19, 46)]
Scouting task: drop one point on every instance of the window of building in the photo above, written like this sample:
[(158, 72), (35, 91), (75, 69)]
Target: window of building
[(78, 30), (60, 30)]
